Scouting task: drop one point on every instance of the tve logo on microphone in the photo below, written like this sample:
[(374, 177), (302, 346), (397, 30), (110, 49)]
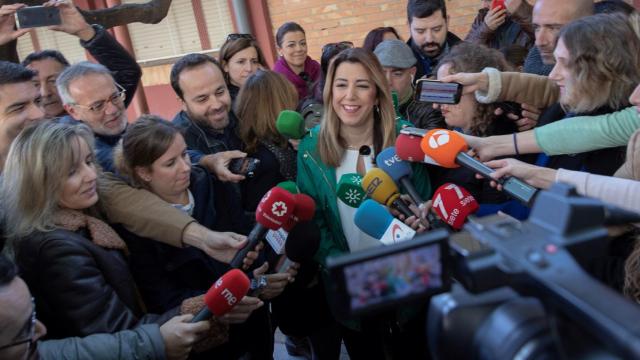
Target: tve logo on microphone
[(392, 160)]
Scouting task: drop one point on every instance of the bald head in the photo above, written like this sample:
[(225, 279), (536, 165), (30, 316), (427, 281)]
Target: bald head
[(549, 16)]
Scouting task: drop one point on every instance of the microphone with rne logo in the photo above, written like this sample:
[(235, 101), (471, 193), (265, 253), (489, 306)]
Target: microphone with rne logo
[(223, 295), (376, 221), (380, 187), (400, 171), (453, 204), (290, 124), (275, 208), (448, 149), (350, 190)]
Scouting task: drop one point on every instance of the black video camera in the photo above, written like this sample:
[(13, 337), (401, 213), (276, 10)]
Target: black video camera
[(520, 290)]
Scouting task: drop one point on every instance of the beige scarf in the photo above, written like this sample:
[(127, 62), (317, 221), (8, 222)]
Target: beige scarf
[(100, 233)]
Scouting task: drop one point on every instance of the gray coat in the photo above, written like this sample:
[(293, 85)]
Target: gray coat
[(143, 342)]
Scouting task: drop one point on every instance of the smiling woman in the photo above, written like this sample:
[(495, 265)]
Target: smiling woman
[(359, 122), (294, 63)]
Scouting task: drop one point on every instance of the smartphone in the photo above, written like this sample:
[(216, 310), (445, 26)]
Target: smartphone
[(497, 3), (382, 278), (434, 91), (37, 16), (244, 166)]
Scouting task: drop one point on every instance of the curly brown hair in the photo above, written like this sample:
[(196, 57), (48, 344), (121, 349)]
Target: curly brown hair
[(472, 58)]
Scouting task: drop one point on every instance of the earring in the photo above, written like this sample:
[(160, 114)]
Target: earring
[(376, 108)]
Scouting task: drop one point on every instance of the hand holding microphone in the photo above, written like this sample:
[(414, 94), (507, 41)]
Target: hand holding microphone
[(223, 295)]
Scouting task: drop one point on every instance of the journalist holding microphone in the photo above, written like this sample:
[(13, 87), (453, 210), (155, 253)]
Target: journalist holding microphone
[(359, 122), (72, 261)]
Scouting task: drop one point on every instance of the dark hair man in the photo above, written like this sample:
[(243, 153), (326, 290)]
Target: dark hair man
[(430, 36)]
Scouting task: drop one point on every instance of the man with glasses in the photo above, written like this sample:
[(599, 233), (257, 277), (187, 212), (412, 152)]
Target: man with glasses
[(90, 94), (98, 42)]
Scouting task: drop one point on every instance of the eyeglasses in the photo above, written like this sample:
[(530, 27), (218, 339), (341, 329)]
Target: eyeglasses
[(342, 45), (31, 326), (240, 36), (116, 99)]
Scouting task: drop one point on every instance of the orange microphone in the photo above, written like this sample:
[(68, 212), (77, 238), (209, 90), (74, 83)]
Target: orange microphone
[(448, 149)]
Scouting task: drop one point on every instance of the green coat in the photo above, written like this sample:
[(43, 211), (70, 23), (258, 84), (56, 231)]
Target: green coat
[(319, 181)]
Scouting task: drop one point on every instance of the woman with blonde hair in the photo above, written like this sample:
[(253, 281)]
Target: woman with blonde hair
[(72, 261), (359, 122)]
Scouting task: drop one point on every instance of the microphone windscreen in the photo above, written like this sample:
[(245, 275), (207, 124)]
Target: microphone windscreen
[(290, 186), (408, 148), (290, 124), (453, 204), (380, 187), (305, 207), (350, 189), (391, 163), (226, 292), (303, 242), (443, 146), (275, 208), (372, 218)]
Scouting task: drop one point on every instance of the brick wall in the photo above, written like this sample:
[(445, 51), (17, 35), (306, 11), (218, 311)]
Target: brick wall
[(328, 21)]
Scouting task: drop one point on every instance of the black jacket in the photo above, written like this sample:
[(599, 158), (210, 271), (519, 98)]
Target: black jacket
[(167, 275), (426, 66), (108, 52), (205, 140), (80, 288)]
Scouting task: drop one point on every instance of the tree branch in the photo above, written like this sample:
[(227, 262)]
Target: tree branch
[(151, 12)]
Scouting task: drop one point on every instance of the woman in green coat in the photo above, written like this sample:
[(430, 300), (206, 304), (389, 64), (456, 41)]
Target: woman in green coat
[(358, 114)]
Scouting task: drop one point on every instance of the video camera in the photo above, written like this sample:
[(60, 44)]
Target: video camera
[(518, 289)]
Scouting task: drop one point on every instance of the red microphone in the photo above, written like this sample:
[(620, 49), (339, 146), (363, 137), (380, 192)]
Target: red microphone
[(453, 204), (274, 210), (304, 211), (223, 295), (408, 148)]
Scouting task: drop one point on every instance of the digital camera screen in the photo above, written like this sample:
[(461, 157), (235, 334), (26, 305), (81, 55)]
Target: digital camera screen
[(394, 277)]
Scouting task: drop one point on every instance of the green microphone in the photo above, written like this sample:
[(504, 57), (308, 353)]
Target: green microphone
[(290, 124), (290, 186), (350, 190)]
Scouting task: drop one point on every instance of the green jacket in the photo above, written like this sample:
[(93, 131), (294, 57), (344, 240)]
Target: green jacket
[(319, 181)]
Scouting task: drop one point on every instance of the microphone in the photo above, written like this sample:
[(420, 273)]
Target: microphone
[(448, 149), (350, 190), (302, 244), (289, 185), (304, 210), (374, 220), (408, 148), (453, 204), (273, 211), (399, 171), (223, 295), (290, 124), (380, 187)]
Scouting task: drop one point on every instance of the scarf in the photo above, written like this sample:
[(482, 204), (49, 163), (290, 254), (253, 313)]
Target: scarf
[(100, 233), (286, 157), (311, 67)]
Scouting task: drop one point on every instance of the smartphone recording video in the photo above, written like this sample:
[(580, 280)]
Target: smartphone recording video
[(37, 16), (433, 91)]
